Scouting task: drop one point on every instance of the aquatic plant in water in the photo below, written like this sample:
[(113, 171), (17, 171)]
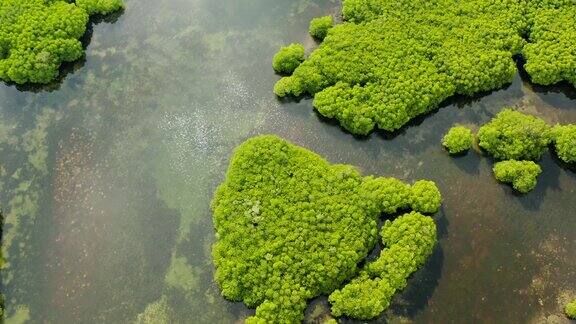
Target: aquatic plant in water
[(393, 60), (521, 174), (514, 135), (564, 138), (37, 36), (157, 312), (518, 139), (409, 240), (290, 226), (319, 27), (570, 310), (458, 140), (550, 55), (288, 58)]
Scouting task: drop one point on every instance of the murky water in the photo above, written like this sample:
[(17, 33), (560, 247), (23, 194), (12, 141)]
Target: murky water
[(106, 176)]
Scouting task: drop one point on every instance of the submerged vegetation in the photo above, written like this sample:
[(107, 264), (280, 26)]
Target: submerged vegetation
[(37, 36), (391, 61), (458, 140), (155, 313), (290, 226), (521, 174), (20, 194)]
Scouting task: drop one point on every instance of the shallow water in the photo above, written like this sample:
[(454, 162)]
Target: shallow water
[(107, 175)]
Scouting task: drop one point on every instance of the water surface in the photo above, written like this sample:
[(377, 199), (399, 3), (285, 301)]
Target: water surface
[(106, 176)]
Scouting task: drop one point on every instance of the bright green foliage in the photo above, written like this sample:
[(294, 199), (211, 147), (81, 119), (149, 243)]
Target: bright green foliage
[(425, 197), (36, 36), (288, 58), (564, 138), (521, 174), (290, 226), (550, 55), (512, 135), (570, 310), (394, 60), (101, 7), (409, 241), (319, 27), (458, 140)]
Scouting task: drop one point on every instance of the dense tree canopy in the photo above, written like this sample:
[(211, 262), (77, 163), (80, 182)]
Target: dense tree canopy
[(521, 174), (517, 140), (290, 226), (288, 58), (36, 36), (564, 138), (570, 310), (458, 140), (409, 241), (319, 27), (100, 7), (393, 60), (550, 55), (514, 135)]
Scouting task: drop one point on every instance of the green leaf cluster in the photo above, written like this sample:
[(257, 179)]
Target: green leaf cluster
[(319, 27), (391, 61), (521, 174), (290, 226), (550, 55), (288, 58), (519, 139), (37, 36), (394, 60), (514, 135), (564, 138), (458, 140), (409, 240), (570, 310), (100, 7)]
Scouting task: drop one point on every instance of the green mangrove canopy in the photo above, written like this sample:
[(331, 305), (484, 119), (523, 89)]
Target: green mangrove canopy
[(521, 174), (288, 58), (37, 36), (409, 241), (517, 139), (291, 226), (319, 27), (570, 310), (514, 135), (393, 60), (458, 140), (564, 138)]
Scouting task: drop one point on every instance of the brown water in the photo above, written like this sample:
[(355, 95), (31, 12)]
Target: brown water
[(107, 176)]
